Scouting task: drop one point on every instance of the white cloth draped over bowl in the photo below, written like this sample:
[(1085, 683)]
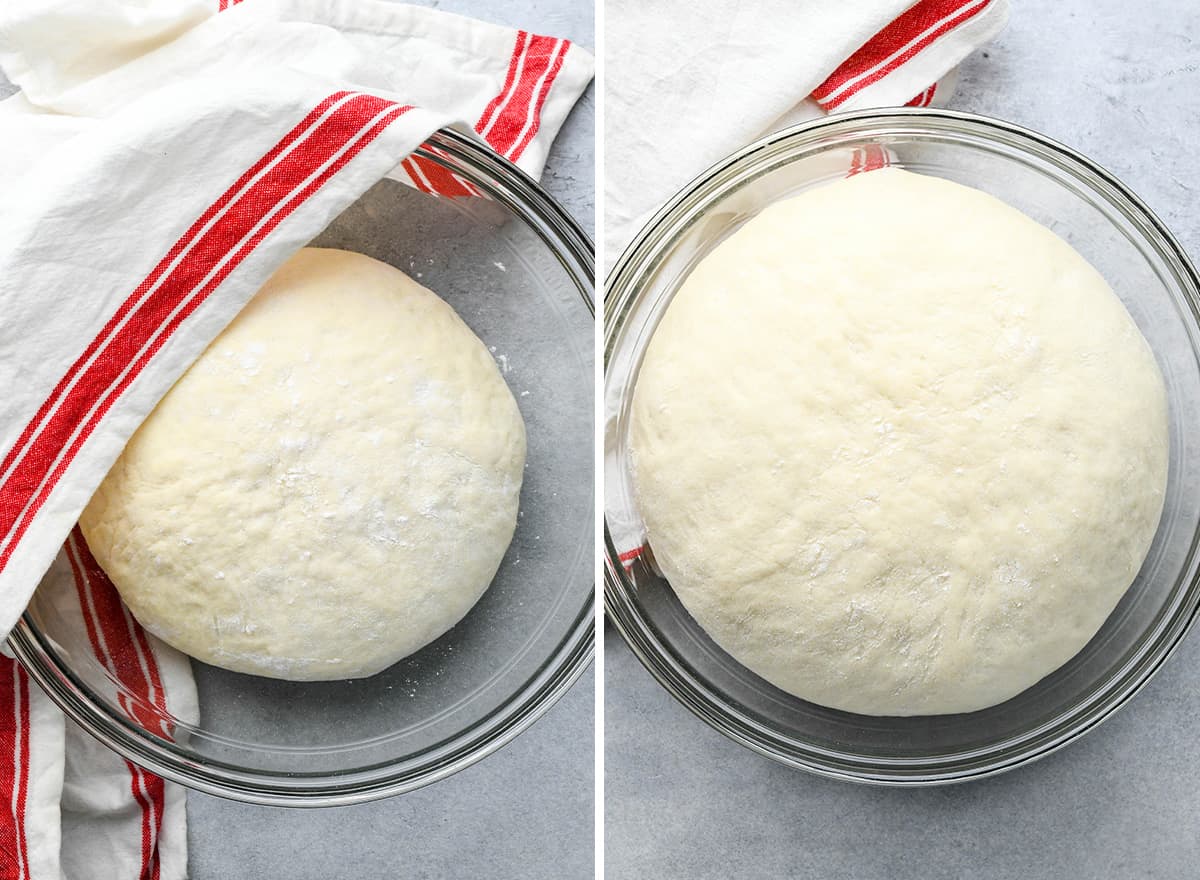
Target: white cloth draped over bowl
[(746, 69)]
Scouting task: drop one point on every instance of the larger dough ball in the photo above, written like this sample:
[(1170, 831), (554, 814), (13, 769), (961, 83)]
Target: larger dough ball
[(898, 448), (331, 486)]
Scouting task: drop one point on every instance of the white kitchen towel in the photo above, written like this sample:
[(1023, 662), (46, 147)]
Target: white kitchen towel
[(113, 813), (747, 69), (31, 776), (162, 158), (74, 807), (739, 69)]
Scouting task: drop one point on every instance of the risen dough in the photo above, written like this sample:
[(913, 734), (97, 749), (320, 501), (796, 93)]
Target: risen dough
[(330, 487), (898, 448)]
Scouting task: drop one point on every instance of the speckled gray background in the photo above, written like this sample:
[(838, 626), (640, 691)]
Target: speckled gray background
[(1119, 81), (526, 811)]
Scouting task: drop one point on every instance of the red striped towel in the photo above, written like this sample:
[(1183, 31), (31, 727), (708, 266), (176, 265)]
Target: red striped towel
[(161, 160), (749, 68), (919, 47), (776, 63)]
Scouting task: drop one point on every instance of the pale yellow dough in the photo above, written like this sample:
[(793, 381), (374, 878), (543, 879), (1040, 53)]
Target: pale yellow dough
[(898, 448), (330, 487)]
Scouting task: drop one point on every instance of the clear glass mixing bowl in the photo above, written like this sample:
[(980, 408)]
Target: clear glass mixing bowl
[(1148, 270), (519, 271)]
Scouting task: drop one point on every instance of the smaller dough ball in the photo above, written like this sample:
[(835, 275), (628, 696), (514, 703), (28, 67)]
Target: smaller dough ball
[(330, 487)]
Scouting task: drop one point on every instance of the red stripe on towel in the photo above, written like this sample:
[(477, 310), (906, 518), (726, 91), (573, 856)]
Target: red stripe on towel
[(535, 63), (907, 36), (114, 638), (533, 120), (14, 769), (515, 63)]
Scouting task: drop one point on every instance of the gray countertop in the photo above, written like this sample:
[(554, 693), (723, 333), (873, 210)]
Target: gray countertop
[(1121, 83)]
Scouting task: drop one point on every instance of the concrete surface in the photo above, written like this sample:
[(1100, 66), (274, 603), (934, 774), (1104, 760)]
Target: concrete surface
[(525, 812), (1120, 82)]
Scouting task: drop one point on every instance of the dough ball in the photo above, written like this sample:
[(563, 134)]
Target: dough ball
[(898, 448), (330, 487)]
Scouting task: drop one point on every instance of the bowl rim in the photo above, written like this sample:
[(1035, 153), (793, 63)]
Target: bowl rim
[(622, 288), (573, 249)]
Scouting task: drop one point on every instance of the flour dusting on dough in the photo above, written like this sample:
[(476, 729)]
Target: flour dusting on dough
[(329, 488)]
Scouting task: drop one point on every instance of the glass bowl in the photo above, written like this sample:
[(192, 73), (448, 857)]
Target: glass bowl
[(1146, 267), (519, 271)]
